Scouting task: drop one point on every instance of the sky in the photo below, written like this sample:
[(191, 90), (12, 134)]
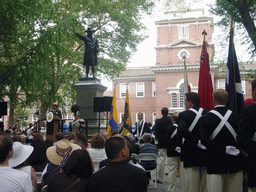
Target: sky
[(146, 54)]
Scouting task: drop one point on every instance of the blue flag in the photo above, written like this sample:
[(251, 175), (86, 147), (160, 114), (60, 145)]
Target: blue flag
[(233, 82)]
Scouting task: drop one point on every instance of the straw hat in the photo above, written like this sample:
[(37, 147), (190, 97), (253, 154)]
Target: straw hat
[(56, 104), (20, 154), (62, 146)]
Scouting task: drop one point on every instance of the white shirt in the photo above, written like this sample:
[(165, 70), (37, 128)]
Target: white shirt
[(14, 180), (96, 154)]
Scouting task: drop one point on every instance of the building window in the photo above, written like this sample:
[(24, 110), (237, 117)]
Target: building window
[(140, 89), (221, 84), (153, 89), (174, 99), (183, 32), (69, 116), (181, 95), (153, 118), (123, 90)]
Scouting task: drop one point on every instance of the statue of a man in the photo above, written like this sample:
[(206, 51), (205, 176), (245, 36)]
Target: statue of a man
[(91, 51)]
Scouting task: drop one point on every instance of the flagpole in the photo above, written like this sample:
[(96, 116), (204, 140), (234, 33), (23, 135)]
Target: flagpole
[(233, 59), (184, 59)]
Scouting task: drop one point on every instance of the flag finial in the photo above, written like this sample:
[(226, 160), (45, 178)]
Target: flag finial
[(204, 34)]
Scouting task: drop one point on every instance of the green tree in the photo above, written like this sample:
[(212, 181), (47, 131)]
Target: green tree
[(242, 12), (21, 117), (40, 55)]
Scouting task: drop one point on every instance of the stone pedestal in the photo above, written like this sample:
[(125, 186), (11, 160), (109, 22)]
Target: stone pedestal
[(87, 89)]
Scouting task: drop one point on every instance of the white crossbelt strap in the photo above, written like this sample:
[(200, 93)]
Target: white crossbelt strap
[(224, 121), (193, 124), (198, 115), (175, 131), (139, 133)]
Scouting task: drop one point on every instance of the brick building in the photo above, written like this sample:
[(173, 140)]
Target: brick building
[(152, 88)]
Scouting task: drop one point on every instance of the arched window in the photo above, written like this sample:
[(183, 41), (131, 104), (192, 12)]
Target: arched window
[(182, 95)]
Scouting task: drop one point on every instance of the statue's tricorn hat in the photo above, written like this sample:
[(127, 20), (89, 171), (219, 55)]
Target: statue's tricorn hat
[(89, 30)]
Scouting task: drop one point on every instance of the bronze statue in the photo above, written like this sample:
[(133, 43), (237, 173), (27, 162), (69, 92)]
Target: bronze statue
[(91, 51)]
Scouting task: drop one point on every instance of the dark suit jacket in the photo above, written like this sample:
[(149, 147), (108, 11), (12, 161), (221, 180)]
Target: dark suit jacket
[(218, 162), (145, 130), (160, 129), (190, 153), (247, 130)]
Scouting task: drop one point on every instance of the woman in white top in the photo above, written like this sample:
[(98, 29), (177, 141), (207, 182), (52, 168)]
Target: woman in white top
[(18, 161), (97, 150)]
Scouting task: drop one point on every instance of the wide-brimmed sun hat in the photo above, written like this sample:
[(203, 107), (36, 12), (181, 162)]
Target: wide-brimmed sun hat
[(20, 154), (56, 153)]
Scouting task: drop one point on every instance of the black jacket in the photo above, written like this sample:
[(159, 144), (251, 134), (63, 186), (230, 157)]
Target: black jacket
[(160, 129), (172, 143), (244, 139), (190, 153), (218, 162)]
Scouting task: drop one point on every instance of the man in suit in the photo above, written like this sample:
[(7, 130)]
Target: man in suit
[(192, 151), (218, 132), (160, 131), (247, 138), (141, 127)]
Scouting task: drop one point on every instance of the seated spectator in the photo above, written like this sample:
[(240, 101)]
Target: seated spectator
[(57, 155), (17, 138), (132, 160), (148, 148), (11, 179), (82, 137), (135, 147), (72, 137), (97, 151), (38, 136), (58, 136), (38, 158), (18, 161), (48, 143), (77, 169), (118, 175), (105, 135)]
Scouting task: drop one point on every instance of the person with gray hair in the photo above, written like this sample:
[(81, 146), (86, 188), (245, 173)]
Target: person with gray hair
[(148, 148)]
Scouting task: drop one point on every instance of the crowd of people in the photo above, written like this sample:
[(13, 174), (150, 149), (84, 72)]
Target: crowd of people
[(209, 150)]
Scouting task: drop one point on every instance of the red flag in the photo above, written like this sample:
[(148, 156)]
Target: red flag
[(205, 82)]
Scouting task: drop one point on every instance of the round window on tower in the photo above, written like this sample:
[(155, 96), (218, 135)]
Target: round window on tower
[(183, 54)]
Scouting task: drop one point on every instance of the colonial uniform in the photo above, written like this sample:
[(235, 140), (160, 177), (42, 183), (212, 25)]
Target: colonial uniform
[(173, 157), (160, 129), (192, 156), (218, 130), (247, 141)]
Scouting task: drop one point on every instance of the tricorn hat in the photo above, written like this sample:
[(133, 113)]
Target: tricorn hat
[(89, 30)]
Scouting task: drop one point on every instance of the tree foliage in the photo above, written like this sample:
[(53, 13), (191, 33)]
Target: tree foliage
[(41, 58), (242, 11)]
